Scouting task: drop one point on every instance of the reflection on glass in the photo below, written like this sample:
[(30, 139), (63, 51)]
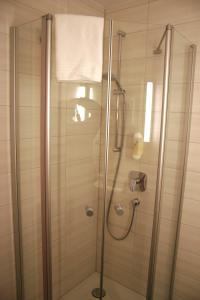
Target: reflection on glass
[(84, 91), (81, 114), (80, 93)]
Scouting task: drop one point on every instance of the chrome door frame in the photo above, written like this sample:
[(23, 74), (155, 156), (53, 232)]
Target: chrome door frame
[(106, 155), (45, 153), (187, 129), (160, 169), (16, 209)]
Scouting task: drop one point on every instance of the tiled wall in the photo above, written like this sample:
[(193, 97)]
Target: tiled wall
[(13, 13), (185, 16)]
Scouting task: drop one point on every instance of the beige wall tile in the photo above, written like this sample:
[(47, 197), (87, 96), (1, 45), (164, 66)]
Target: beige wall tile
[(169, 207), (29, 183), (192, 188), (191, 211), (29, 153), (5, 189), (195, 124), (193, 157), (58, 149), (29, 90), (174, 154), (58, 122), (80, 147), (186, 288), (196, 98), (167, 232), (177, 97), (4, 88), (31, 212), (58, 175), (175, 126), (188, 264), (29, 56), (29, 122), (5, 121), (6, 218), (4, 157), (4, 49), (133, 71), (197, 68), (172, 181), (189, 239)]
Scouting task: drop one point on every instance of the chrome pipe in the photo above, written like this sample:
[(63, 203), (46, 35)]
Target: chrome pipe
[(16, 209), (45, 154), (160, 170), (158, 49), (106, 155), (184, 169)]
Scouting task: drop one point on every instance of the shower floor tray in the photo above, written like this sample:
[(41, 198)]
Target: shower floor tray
[(114, 290)]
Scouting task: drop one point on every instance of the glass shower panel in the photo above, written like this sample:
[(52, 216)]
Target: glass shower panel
[(174, 160), (28, 56), (75, 150), (126, 261)]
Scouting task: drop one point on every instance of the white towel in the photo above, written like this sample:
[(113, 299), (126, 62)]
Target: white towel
[(79, 47)]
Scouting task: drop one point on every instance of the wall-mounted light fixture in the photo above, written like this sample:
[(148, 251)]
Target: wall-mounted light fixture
[(148, 112)]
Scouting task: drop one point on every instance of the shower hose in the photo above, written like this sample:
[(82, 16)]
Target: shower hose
[(134, 203)]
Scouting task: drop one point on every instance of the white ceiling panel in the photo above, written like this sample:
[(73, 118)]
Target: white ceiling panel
[(112, 5)]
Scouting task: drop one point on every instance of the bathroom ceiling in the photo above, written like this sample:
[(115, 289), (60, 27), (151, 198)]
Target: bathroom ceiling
[(112, 5)]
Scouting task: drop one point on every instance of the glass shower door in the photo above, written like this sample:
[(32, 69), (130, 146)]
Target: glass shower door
[(74, 164), (26, 132), (178, 115), (127, 255)]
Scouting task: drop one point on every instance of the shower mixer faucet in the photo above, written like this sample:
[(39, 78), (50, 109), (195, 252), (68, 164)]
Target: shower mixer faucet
[(137, 181)]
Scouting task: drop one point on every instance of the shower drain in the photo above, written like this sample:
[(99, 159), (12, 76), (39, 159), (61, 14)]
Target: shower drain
[(97, 293)]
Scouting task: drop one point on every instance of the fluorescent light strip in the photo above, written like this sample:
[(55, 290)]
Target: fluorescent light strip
[(148, 112)]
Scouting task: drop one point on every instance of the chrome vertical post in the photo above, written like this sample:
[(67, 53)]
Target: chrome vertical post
[(106, 155), (45, 154), (188, 117), (121, 35), (160, 170), (14, 170)]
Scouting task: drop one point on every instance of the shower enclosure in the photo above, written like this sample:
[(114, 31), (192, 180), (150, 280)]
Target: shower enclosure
[(98, 170)]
